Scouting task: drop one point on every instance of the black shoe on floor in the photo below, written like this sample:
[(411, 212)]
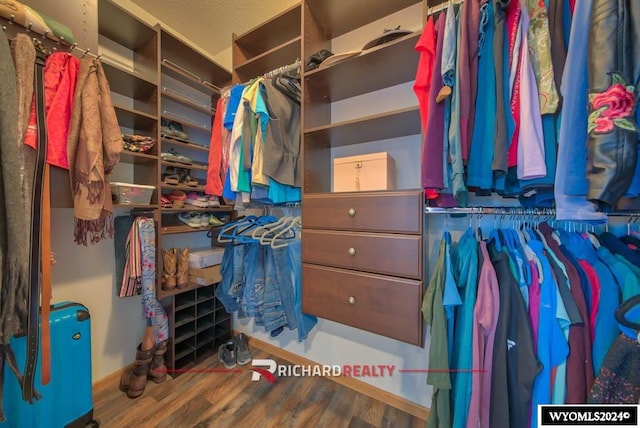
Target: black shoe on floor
[(242, 350), (227, 354)]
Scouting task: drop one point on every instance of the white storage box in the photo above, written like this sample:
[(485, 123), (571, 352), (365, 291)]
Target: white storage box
[(375, 171), (205, 257), (132, 194)]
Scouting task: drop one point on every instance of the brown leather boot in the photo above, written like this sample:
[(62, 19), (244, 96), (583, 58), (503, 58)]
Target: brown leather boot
[(169, 269), (158, 372), (133, 381), (182, 278)]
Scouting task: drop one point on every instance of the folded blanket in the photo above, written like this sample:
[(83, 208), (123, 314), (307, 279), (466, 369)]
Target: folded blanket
[(40, 23)]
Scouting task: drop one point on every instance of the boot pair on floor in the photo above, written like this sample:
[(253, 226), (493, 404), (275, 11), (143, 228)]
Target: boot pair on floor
[(175, 268), (149, 365)]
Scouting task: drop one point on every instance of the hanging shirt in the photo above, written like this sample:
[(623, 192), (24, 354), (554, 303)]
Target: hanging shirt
[(479, 173), (434, 316), (500, 149), (426, 46), (456, 180), (235, 96), (432, 153), (451, 297), (485, 320), (213, 185), (465, 260)]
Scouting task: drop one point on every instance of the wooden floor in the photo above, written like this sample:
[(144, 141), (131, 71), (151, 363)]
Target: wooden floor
[(233, 400)]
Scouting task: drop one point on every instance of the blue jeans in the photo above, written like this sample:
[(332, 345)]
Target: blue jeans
[(231, 287), (253, 295), (274, 314), (305, 322)]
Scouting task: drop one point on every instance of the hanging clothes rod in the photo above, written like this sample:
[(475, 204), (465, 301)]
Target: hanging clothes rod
[(513, 211), (269, 74), (45, 36), (442, 6)]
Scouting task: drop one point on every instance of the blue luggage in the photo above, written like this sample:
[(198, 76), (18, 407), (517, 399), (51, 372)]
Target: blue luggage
[(66, 401)]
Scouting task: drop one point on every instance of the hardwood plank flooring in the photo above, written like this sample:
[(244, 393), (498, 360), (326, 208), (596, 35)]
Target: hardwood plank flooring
[(206, 398)]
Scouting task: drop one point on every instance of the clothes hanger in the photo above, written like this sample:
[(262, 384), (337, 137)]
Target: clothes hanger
[(628, 317), (244, 234), (278, 240), (268, 237), (225, 237), (261, 230)]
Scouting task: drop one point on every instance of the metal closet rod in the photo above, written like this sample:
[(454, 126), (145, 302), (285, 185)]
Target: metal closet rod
[(442, 6), (512, 211), (59, 42)]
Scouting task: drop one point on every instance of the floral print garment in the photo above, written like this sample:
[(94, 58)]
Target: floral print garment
[(613, 107), (540, 53), (151, 307)]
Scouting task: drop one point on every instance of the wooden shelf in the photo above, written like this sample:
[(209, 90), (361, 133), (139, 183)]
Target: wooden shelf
[(183, 121), (163, 294), (136, 206), (225, 317), (121, 27), (221, 209), (277, 31), (182, 319), (137, 158), (182, 165), (353, 76), (189, 80), (166, 93), (135, 119), (128, 83), (398, 123), (337, 17), (183, 187), (283, 54), (170, 230), (186, 348), (193, 146), (179, 52)]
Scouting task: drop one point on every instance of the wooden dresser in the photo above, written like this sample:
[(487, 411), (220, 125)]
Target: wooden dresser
[(362, 257)]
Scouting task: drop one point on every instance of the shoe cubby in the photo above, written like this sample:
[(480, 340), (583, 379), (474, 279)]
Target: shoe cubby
[(198, 324)]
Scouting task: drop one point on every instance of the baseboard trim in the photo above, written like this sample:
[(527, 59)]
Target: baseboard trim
[(393, 400), (108, 380)]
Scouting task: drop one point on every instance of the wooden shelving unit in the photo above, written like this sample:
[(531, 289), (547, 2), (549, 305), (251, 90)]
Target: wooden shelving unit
[(270, 45)]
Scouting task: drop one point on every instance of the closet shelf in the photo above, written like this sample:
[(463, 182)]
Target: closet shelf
[(204, 339), (276, 31), (121, 27), (136, 206), (186, 78), (190, 145), (183, 187), (137, 158), (128, 83), (169, 230), (224, 208), (341, 16), (224, 317), (181, 165), (204, 324), (283, 54), (353, 76), (135, 119), (187, 103), (181, 337), (186, 350), (398, 123), (185, 122)]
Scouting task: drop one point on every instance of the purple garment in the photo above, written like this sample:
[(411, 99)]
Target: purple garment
[(432, 144), (468, 69)]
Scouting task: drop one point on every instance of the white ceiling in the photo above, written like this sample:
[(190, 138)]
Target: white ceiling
[(210, 23)]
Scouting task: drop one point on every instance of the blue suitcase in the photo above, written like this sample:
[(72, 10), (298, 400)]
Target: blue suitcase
[(66, 401)]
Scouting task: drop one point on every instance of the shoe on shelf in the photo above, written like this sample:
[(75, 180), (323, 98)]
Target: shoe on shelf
[(243, 354), (213, 201), (165, 202), (177, 130), (186, 178), (169, 176), (177, 198), (191, 219), (172, 156), (215, 221), (227, 354), (197, 200)]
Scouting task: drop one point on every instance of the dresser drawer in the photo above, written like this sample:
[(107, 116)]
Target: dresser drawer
[(394, 212), (384, 305), (389, 254)]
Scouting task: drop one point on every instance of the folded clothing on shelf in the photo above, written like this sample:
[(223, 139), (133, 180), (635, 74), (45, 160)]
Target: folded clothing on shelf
[(138, 143)]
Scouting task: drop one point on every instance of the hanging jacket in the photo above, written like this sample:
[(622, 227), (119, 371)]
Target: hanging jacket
[(94, 148), (613, 71), (60, 77)]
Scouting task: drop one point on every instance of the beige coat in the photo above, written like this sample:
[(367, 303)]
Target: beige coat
[(95, 144)]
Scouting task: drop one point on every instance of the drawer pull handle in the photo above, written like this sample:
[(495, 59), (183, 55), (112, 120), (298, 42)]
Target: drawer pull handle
[(352, 300), (352, 212), (351, 251)]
